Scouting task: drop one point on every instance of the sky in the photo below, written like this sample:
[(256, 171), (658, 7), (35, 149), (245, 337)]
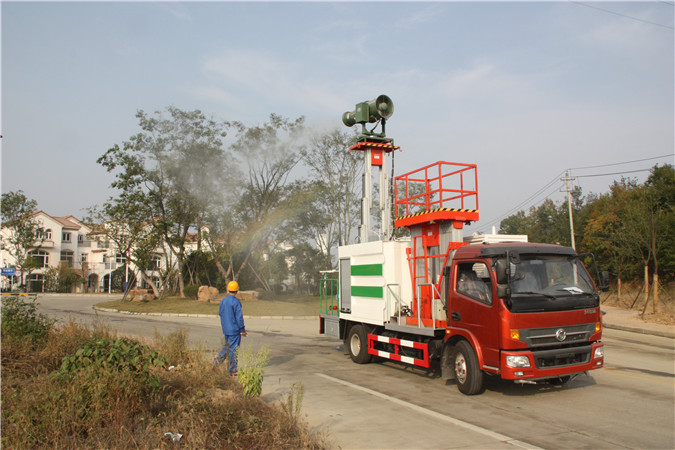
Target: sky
[(525, 90)]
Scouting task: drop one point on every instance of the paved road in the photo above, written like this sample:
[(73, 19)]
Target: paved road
[(628, 404)]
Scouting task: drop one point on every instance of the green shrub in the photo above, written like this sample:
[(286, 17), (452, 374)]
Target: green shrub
[(190, 291), (20, 320), (115, 355), (251, 369), (61, 279)]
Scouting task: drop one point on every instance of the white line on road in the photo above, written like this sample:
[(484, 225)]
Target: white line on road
[(460, 423)]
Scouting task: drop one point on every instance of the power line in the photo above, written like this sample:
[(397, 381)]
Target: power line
[(534, 197), (530, 200), (620, 163), (623, 15), (613, 173)]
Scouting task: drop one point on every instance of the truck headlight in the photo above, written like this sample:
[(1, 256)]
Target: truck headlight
[(517, 361), (599, 353)]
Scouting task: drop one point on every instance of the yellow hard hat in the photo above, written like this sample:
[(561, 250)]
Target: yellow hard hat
[(232, 286)]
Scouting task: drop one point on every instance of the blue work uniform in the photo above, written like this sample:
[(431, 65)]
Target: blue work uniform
[(232, 323)]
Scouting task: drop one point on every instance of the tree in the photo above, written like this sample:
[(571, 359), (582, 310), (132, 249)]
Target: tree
[(305, 260), (660, 198), (132, 237), (24, 229), (125, 218), (602, 232), (174, 170), (270, 152), (336, 176), (61, 279)]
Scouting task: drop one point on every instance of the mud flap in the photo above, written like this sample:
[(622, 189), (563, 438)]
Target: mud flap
[(447, 369)]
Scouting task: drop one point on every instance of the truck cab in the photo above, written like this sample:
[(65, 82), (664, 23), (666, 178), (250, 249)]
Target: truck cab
[(526, 312)]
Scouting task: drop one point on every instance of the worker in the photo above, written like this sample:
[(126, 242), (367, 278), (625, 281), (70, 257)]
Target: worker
[(232, 323)]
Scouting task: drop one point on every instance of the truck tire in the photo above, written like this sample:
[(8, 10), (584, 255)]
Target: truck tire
[(468, 375), (357, 345)]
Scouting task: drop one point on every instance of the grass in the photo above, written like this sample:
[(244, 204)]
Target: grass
[(87, 388), (283, 305)]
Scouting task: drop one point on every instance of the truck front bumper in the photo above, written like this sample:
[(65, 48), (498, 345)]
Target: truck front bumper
[(544, 364)]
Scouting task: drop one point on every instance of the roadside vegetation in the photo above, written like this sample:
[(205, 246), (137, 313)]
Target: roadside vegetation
[(630, 230), (72, 387)]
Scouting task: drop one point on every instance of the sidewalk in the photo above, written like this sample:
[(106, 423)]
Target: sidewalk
[(629, 320)]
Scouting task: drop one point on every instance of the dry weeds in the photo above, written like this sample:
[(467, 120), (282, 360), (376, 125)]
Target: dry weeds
[(99, 409)]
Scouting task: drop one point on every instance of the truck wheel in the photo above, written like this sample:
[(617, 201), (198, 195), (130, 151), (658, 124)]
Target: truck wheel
[(467, 373), (357, 345)]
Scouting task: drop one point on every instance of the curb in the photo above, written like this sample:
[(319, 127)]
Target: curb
[(665, 334), (111, 310), (132, 313)]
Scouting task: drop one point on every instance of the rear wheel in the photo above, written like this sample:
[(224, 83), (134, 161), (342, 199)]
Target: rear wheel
[(357, 345), (468, 375)]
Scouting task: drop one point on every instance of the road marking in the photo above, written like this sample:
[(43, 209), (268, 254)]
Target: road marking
[(460, 423)]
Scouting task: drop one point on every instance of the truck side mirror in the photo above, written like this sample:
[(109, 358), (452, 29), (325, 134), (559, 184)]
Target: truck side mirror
[(503, 291), (604, 281), (501, 268)]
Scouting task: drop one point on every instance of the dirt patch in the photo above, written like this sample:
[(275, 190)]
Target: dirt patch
[(633, 298)]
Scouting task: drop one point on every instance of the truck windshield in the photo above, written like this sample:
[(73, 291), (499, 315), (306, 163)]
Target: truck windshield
[(550, 283)]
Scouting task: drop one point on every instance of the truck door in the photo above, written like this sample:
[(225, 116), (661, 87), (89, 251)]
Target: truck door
[(471, 307)]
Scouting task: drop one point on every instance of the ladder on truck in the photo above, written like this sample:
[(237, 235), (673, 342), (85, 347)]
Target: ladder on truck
[(434, 203)]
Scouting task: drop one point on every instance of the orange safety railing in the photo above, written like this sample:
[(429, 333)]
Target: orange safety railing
[(439, 191)]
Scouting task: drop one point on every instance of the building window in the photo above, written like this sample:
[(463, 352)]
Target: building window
[(65, 236), (120, 259), (41, 257), (80, 238), (155, 263), (67, 258), (83, 257), (48, 234), (109, 262)]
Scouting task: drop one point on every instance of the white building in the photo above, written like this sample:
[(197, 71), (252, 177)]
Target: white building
[(68, 241)]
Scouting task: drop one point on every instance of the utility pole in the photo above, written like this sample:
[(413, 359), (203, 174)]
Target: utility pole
[(567, 180)]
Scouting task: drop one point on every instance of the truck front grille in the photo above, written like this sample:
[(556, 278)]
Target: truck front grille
[(546, 337), (569, 356)]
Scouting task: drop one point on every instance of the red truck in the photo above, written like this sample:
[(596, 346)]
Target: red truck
[(521, 311)]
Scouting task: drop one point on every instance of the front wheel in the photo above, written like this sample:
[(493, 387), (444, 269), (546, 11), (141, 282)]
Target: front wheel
[(468, 375), (357, 345)]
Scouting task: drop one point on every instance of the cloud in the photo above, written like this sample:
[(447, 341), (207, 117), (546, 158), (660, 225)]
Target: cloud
[(216, 94), (245, 68), (244, 77), (177, 10), (419, 18), (461, 81)]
